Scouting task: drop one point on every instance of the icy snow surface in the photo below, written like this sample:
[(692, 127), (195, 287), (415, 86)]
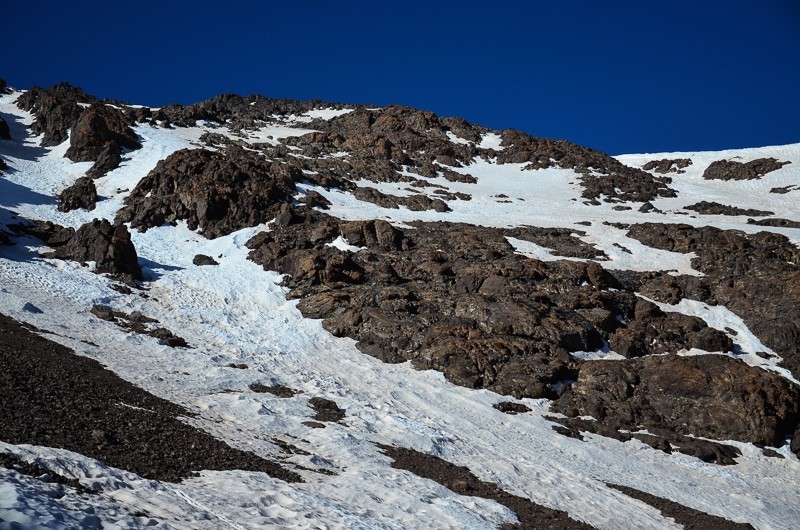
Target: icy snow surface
[(237, 313)]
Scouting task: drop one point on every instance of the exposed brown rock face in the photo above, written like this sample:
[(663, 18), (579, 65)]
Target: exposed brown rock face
[(381, 142), (711, 396), (82, 194), (241, 111), (715, 208), (217, 192), (661, 439), (108, 246), (457, 298), (97, 127), (732, 170), (417, 202), (756, 276), (775, 221), (56, 109), (666, 165)]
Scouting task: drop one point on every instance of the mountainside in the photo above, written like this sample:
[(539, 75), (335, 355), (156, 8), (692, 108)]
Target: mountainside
[(252, 312)]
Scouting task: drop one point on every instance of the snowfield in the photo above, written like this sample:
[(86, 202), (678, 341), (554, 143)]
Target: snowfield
[(238, 313)]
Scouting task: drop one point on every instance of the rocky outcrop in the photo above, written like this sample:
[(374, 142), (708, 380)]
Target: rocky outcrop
[(561, 241), (100, 127), (82, 194), (706, 395), (666, 165), (108, 246), (756, 276), (416, 202), (55, 110), (784, 189), (654, 329), (733, 170), (601, 176), (715, 208), (457, 298), (661, 439), (239, 111), (218, 192), (774, 221), (108, 159)]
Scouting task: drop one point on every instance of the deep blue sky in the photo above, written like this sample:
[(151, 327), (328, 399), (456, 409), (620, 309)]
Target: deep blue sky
[(636, 76)]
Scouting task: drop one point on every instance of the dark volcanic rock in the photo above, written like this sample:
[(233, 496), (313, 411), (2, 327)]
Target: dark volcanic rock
[(601, 175), (705, 395), (54, 398), (108, 159), (313, 199), (775, 221), (109, 246), (559, 240), (715, 208), (202, 259), (56, 109), (327, 410), (82, 194), (732, 170), (280, 391), (5, 133), (756, 276), (138, 323), (784, 189), (416, 202), (218, 192), (509, 407), (690, 518), (667, 165), (462, 481), (457, 298), (96, 128), (653, 329), (660, 439)]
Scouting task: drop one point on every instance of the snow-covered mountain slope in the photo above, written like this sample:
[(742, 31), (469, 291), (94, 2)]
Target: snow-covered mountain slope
[(245, 330)]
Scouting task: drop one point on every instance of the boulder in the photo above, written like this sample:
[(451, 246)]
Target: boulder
[(98, 126), (733, 170), (202, 259), (705, 395), (108, 159), (56, 110), (108, 246), (82, 194)]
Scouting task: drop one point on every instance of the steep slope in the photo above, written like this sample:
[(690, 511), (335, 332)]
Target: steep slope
[(517, 274)]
